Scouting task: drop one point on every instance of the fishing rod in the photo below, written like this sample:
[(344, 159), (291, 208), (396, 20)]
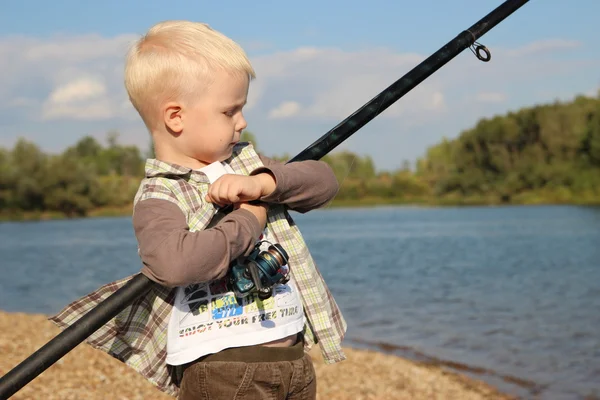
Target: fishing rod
[(139, 285)]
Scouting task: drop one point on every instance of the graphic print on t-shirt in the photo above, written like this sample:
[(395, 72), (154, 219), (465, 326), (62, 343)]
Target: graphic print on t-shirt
[(208, 303)]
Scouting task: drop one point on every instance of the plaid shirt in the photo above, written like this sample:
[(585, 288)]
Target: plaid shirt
[(137, 336)]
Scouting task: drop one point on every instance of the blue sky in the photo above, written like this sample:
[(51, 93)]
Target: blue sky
[(317, 62)]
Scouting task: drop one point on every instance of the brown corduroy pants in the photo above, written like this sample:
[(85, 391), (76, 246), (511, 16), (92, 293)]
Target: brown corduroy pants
[(254, 372)]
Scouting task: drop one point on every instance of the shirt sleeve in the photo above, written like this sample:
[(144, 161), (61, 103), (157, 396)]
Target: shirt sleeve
[(301, 185), (173, 256)]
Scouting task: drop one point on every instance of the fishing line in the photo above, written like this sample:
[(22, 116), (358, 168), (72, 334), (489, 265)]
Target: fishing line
[(342, 182)]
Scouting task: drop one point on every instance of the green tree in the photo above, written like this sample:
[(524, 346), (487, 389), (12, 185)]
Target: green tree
[(69, 187), (29, 168), (248, 136)]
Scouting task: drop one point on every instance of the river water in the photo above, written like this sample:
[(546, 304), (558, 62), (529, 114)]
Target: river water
[(510, 295)]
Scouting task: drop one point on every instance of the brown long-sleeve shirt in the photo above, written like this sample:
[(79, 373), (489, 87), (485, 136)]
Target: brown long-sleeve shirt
[(172, 255)]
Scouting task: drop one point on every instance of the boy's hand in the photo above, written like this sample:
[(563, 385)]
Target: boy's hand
[(232, 188), (259, 211)]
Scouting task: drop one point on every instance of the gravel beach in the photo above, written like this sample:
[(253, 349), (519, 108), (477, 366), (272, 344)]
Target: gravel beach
[(86, 373)]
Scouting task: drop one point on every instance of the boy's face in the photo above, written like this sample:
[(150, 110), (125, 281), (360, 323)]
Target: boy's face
[(209, 126)]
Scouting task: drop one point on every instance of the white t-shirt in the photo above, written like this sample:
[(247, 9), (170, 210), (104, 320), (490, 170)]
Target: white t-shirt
[(207, 317)]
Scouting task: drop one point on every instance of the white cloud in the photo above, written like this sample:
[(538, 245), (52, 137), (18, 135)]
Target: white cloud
[(77, 90), (593, 92), (541, 46), (333, 83), (437, 101), (62, 77), (80, 99), (75, 49), (95, 110), (491, 97), (285, 110), (80, 79)]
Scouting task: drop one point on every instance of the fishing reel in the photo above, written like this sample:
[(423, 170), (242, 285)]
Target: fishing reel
[(259, 272)]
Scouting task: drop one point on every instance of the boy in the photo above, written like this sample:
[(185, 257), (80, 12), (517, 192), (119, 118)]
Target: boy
[(190, 335)]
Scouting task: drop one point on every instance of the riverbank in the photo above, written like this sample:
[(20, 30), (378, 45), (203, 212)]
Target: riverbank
[(126, 211), (91, 374)]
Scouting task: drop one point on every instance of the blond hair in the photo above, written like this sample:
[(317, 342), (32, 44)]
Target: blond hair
[(173, 59)]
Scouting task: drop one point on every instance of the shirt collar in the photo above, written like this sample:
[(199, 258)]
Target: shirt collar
[(155, 168)]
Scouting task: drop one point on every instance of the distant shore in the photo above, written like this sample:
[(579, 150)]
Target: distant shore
[(125, 211), (92, 374)]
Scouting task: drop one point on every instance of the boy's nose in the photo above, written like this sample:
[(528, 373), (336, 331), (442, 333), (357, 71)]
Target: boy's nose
[(242, 124)]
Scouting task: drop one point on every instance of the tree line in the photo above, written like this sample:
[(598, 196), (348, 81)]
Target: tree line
[(542, 154)]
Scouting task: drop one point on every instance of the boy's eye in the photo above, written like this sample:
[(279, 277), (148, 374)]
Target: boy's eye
[(230, 113)]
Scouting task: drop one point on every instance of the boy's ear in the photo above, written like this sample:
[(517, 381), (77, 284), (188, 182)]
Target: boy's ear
[(172, 115)]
